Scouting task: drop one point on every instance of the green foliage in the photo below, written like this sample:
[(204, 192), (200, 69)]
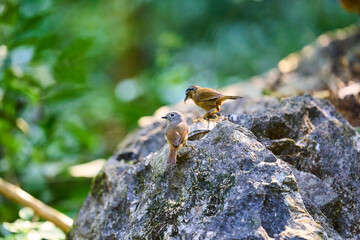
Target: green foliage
[(75, 76), (24, 228)]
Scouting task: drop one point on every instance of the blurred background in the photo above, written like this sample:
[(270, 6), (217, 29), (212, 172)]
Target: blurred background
[(75, 76)]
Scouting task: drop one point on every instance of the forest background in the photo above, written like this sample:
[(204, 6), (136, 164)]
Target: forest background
[(75, 76)]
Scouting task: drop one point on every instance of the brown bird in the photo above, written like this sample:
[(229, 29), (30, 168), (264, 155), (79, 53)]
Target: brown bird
[(176, 134), (207, 98), (351, 5)]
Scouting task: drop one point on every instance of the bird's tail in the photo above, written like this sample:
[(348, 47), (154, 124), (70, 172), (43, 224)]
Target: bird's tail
[(172, 155), (232, 97)]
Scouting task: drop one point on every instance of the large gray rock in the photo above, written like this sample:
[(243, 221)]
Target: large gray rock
[(230, 187), (311, 136)]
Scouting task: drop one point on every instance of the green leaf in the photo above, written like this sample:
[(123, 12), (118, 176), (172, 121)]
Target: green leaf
[(26, 213)]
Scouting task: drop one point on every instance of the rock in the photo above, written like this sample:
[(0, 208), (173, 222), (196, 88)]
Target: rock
[(141, 143), (318, 193), (200, 128), (238, 183), (232, 187), (311, 136)]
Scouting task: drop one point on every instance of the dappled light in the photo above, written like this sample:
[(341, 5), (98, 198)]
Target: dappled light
[(89, 169), (79, 77)]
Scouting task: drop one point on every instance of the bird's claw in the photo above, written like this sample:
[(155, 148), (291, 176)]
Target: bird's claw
[(216, 118), (199, 119), (192, 147)]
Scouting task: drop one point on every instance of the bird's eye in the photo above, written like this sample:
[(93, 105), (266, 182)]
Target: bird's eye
[(190, 89), (172, 115)]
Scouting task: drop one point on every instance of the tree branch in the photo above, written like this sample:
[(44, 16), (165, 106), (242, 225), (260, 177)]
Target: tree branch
[(18, 195)]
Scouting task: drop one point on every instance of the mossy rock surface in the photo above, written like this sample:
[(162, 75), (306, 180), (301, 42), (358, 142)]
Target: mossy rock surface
[(287, 170), (312, 137)]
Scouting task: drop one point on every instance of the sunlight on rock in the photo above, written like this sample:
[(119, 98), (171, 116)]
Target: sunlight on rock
[(162, 111), (341, 34), (308, 51), (321, 94), (289, 64), (147, 120), (144, 121), (323, 40), (349, 90), (88, 170)]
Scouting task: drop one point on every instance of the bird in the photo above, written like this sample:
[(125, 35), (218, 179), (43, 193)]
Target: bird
[(176, 133), (351, 5), (207, 98)]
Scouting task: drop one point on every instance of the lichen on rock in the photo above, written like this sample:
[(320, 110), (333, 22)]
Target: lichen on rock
[(310, 135), (287, 170), (232, 188)]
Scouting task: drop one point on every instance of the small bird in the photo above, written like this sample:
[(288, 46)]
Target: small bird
[(176, 134), (351, 5), (207, 98)]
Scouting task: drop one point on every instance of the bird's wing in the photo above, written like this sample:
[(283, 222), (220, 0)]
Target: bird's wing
[(173, 137), (207, 94)]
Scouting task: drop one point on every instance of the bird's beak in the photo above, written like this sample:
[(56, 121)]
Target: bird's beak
[(164, 117), (186, 98)]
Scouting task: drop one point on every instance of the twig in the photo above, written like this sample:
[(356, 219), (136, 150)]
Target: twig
[(18, 195)]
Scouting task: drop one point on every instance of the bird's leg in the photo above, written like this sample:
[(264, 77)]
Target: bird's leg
[(217, 118), (185, 144), (215, 111), (199, 119)]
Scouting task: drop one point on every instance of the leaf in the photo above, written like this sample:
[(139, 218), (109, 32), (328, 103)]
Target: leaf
[(26, 213), (48, 230)]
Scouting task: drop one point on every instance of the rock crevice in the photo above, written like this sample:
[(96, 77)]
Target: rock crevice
[(287, 170)]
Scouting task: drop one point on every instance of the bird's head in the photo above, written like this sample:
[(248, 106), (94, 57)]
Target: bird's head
[(174, 117), (190, 92)]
